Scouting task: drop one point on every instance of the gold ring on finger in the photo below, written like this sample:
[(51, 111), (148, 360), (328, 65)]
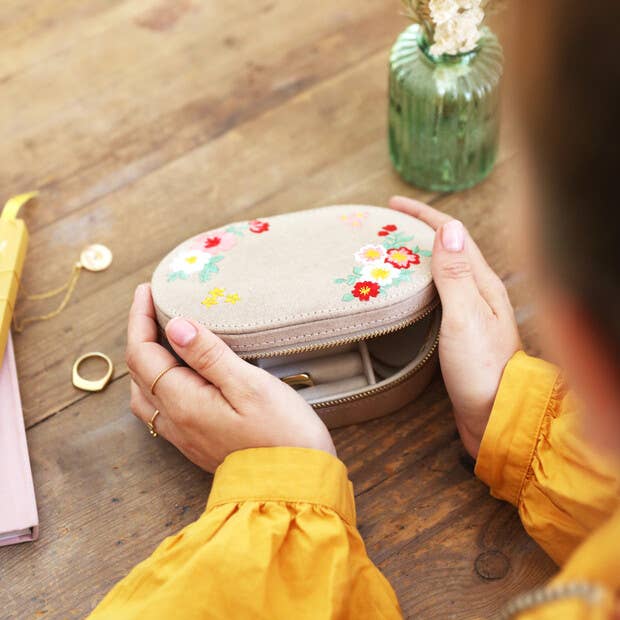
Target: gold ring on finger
[(159, 376), (151, 424)]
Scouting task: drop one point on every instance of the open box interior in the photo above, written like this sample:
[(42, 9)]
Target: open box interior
[(354, 368)]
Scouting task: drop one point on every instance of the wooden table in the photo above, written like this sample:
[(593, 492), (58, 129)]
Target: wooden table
[(147, 121)]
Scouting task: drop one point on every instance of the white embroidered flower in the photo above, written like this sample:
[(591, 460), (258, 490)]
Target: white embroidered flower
[(381, 273), (191, 261), (456, 25), (370, 254)]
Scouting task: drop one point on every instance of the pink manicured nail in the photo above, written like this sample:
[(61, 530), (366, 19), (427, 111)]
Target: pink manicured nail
[(181, 332), (453, 236)]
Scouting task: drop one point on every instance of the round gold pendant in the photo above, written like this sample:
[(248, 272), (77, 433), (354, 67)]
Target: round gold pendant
[(96, 257)]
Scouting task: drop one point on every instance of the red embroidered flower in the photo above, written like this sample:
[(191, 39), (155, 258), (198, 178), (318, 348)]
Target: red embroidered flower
[(212, 242), (258, 226), (365, 290), (402, 258), (386, 230)]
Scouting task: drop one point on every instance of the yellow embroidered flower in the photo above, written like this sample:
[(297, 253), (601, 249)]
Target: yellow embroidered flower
[(209, 301), (216, 292), (232, 298)]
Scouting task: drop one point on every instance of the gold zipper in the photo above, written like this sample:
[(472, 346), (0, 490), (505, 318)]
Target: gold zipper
[(422, 314), (385, 386)]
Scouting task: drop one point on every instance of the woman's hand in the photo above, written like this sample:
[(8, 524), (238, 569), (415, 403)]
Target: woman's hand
[(478, 329), (219, 404)]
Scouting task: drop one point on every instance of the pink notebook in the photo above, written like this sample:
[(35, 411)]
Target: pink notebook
[(18, 509)]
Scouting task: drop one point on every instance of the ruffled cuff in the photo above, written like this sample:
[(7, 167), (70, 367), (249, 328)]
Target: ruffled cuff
[(291, 475), (526, 394)]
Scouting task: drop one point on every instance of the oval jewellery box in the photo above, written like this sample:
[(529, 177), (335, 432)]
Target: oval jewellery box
[(338, 302)]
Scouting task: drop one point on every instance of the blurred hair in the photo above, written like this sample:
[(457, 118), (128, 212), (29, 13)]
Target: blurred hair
[(570, 106)]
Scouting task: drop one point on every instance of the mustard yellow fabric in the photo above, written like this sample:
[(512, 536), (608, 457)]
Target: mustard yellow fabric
[(534, 455), (277, 540), (278, 537)]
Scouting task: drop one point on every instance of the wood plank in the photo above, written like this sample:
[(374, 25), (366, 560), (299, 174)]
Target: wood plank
[(122, 123)]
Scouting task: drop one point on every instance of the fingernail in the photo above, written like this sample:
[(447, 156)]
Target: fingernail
[(453, 236), (181, 332), (140, 291)]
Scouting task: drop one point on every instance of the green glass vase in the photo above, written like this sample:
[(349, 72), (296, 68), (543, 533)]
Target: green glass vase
[(444, 111)]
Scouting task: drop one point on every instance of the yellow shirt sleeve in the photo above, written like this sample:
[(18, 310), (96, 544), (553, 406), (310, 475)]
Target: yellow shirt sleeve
[(533, 455), (277, 540)]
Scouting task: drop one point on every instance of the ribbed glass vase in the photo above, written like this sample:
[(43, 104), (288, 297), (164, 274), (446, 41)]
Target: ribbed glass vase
[(444, 111)]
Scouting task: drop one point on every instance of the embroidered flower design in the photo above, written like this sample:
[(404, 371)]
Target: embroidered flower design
[(370, 254), (402, 258), (258, 226), (216, 241), (383, 266), (381, 273), (207, 250), (216, 294), (365, 290), (386, 230), (355, 220), (190, 262)]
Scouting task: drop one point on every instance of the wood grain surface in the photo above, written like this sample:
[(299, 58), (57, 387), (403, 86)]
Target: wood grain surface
[(143, 123)]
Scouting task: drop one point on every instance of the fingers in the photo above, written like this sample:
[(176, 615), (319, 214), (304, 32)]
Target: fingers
[(418, 209), (142, 326), (146, 358), (210, 357), (489, 285), (452, 270), (144, 409)]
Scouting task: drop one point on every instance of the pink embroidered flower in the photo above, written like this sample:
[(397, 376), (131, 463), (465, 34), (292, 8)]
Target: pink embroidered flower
[(355, 220), (370, 254), (215, 241), (365, 290), (402, 258), (258, 226)]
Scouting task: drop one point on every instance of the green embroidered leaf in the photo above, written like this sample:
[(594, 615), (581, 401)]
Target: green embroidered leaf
[(340, 281), (216, 259), (348, 297), (207, 271), (177, 275), (426, 253), (235, 230), (416, 250), (357, 271), (352, 279)]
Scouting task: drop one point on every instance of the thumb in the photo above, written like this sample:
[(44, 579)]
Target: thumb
[(209, 355), (452, 268)]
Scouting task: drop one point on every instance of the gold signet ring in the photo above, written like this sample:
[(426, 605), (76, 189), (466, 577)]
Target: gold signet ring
[(91, 385)]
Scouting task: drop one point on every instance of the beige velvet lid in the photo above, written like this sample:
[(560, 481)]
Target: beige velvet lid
[(303, 279)]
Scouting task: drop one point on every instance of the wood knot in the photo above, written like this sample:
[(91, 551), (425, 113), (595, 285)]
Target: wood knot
[(492, 565)]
